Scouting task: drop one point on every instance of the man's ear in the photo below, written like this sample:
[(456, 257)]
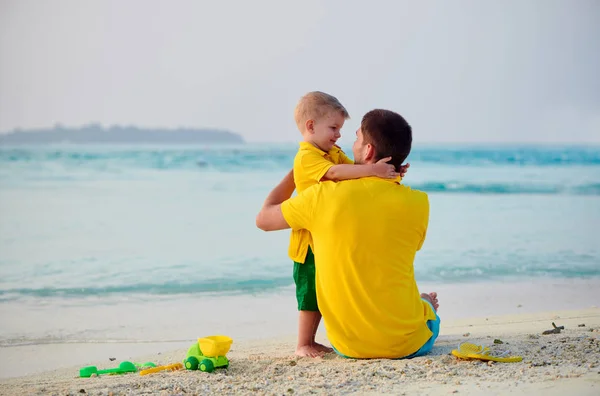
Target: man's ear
[(369, 153), (310, 126)]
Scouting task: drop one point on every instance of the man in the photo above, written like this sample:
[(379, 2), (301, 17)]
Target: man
[(365, 233)]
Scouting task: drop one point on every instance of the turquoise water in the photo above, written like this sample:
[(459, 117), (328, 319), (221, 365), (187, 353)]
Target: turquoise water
[(81, 221)]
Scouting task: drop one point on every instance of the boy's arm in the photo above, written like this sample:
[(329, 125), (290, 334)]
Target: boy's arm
[(347, 171), (313, 166)]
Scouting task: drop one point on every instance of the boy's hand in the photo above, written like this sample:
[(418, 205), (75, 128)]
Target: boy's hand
[(404, 169), (382, 169)]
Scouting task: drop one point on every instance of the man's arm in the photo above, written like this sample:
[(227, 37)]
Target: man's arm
[(270, 217)]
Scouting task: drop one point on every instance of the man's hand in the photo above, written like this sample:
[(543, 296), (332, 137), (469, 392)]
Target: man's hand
[(382, 169)]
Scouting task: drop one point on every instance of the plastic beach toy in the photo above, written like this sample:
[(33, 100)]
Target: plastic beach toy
[(468, 350), (168, 367), (124, 367), (208, 354)]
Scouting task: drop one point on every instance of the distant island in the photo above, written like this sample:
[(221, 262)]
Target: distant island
[(95, 133)]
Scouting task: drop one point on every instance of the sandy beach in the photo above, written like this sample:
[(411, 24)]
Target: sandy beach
[(552, 364), (146, 150)]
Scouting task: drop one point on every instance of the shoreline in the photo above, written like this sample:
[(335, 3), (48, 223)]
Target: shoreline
[(551, 364), (57, 334)]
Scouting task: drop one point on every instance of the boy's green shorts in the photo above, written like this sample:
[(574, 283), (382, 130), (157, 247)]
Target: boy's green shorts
[(304, 277)]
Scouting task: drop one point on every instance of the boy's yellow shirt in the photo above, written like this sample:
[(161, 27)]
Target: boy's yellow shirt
[(310, 165)]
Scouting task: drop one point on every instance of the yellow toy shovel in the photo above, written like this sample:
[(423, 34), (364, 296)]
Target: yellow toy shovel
[(467, 350), (168, 367)]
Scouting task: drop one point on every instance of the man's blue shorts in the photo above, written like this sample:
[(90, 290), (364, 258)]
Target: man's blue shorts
[(434, 326)]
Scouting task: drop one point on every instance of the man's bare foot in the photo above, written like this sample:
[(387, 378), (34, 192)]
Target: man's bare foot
[(432, 298), (309, 351)]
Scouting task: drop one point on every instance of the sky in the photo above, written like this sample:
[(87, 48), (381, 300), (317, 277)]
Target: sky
[(458, 71)]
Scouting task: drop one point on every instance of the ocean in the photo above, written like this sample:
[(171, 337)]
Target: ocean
[(89, 226)]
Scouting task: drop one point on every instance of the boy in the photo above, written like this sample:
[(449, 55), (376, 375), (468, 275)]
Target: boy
[(319, 118)]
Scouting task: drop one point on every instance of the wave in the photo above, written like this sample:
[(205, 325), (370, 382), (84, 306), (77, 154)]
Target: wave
[(448, 273), (49, 340), (52, 340), (507, 188), (242, 158), (86, 163), (524, 156), (221, 286)]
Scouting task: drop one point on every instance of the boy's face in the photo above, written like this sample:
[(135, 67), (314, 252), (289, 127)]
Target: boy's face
[(325, 131)]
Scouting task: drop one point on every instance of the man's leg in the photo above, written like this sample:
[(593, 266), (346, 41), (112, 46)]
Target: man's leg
[(433, 325)]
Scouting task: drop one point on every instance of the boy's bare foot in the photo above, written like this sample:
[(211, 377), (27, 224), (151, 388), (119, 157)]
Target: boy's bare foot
[(432, 298), (323, 348), (309, 351), (308, 322)]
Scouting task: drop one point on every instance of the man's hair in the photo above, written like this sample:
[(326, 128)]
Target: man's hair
[(389, 134), (315, 105)]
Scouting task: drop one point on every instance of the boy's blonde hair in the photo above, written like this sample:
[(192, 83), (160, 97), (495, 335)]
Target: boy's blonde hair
[(315, 105)]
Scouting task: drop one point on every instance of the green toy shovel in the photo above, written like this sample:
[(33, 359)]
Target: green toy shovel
[(124, 367)]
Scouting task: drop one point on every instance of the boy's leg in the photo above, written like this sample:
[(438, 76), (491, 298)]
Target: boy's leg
[(309, 316), (308, 322)]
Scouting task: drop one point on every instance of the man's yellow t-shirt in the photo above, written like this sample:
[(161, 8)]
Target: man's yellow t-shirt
[(310, 165), (366, 233)]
